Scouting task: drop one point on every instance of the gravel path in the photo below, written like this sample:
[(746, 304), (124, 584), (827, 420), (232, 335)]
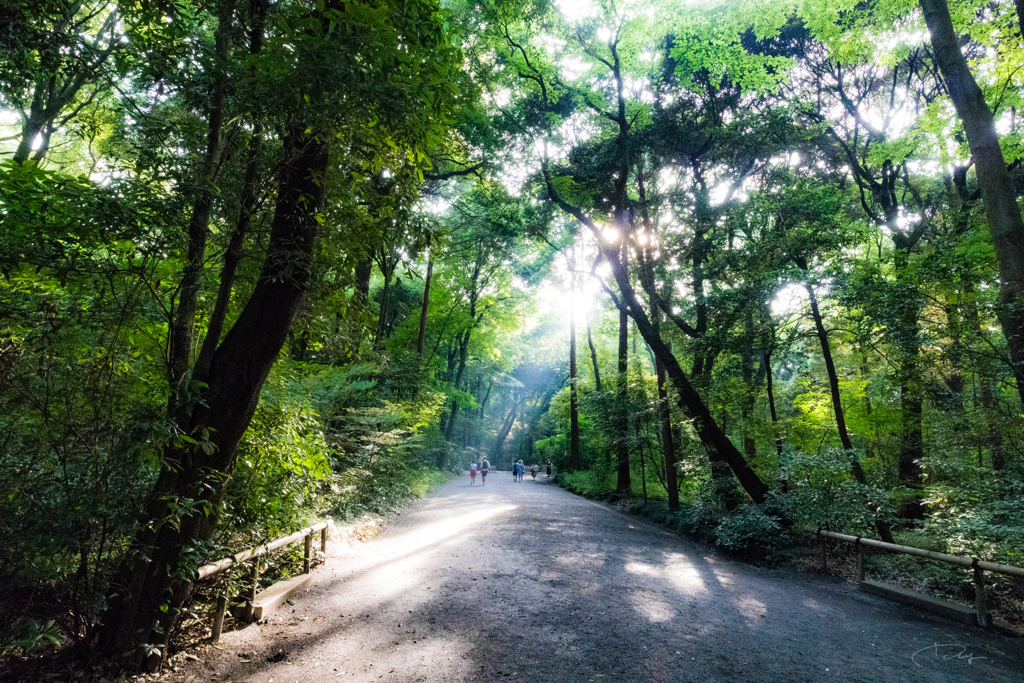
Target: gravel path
[(526, 582)]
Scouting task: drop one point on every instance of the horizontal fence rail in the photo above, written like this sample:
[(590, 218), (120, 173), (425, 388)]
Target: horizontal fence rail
[(254, 555), (979, 567), (238, 558)]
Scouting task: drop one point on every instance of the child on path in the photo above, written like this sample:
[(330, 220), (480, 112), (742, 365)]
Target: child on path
[(485, 467), (534, 469), (472, 473)]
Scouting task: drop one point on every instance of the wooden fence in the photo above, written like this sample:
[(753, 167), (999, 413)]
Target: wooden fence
[(254, 555), (979, 567)]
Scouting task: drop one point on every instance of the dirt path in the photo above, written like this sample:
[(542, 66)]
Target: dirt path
[(525, 582)]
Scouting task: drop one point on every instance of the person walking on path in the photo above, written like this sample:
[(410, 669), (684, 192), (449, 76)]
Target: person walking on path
[(485, 467), (534, 469), (549, 468), (520, 469), (472, 473)]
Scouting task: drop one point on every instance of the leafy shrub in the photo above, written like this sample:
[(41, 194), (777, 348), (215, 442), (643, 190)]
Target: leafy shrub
[(700, 520), (823, 493), (586, 483), (751, 534)]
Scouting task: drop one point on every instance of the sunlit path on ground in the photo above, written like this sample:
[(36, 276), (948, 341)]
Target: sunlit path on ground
[(525, 582)]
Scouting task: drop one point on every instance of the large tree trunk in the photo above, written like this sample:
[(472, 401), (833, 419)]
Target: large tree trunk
[(719, 448), (837, 407), (183, 505), (1004, 219)]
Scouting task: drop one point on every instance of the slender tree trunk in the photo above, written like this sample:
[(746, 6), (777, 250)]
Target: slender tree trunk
[(483, 403), (837, 406), (382, 321), (623, 483), (665, 414), (463, 356), (575, 456), (183, 505), (747, 404), (423, 310), (908, 343), (668, 441), (504, 431), (593, 359), (770, 386), (1004, 218)]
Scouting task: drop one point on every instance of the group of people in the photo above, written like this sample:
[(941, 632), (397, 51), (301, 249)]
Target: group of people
[(518, 470), (483, 468)]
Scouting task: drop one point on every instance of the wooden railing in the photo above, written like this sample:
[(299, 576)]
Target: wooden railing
[(979, 567), (254, 554)]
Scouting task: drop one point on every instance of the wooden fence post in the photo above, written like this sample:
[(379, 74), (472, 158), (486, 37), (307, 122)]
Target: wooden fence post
[(218, 618), (253, 585), (979, 595), (860, 560), (821, 552), (308, 543), (323, 542)]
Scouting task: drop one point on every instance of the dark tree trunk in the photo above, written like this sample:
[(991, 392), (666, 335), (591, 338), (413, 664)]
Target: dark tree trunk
[(1004, 219), (232, 257), (194, 475), (182, 327), (249, 198), (837, 406), (423, 310)]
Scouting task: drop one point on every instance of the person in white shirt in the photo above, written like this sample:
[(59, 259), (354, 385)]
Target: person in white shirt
[(472, 473)]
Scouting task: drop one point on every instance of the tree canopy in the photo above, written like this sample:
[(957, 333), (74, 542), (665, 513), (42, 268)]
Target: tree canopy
[(264, 260)]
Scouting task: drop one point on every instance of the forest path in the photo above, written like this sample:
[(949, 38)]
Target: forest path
[(526, 582)]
